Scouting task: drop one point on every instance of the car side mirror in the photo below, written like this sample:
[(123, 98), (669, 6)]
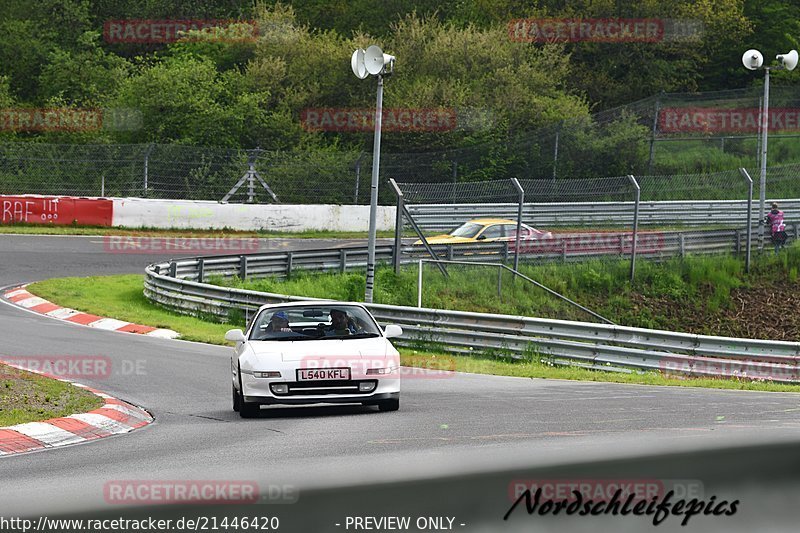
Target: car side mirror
[(234, 335), (481, 238), (392, 330)]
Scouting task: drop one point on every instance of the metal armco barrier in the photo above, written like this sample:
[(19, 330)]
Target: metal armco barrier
[(444, 217), (597, 346)]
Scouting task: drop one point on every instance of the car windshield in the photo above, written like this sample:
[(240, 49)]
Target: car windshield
[(310, 322), (468, 230)]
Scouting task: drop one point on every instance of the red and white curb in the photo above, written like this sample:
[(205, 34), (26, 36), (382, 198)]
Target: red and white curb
[(21, 297), (114, 418)]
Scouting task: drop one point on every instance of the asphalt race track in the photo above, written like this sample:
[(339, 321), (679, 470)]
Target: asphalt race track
[(458, 424)]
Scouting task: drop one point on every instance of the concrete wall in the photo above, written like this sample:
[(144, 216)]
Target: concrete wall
[(136, 212)]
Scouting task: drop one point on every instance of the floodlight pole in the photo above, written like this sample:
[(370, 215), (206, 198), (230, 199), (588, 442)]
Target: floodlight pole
[(762, 194), (373, 203)]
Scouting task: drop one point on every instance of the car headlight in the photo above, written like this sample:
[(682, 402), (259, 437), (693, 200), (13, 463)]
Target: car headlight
[(267, 374), (381, 371), (279, 388)]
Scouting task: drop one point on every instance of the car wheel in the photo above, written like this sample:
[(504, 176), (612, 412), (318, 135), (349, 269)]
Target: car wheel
[(389, 405), (248, 409), (236, 400)]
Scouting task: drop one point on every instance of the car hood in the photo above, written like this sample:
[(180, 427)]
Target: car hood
[(321, 349)]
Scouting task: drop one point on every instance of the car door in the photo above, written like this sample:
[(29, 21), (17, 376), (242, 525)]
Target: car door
[(492, 233)]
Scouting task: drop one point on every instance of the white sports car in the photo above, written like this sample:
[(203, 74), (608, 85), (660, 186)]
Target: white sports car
[(314, 352)]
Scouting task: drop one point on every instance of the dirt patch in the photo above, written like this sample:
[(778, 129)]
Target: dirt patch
[(763, 312)]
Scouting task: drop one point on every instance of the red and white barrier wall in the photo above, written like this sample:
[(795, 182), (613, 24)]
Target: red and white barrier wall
[(188, 214), (58, 210)]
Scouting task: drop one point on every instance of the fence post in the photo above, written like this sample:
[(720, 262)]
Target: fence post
[(173, 269), (555, 150), (521, 202), (242, 267), (636, 196), (289, 264), (419, 285), (342, 260), (425, 242), (147, 165), (748, 244), (653, 134), (358, 179), (682, 244), (201, 267), (398, 226)]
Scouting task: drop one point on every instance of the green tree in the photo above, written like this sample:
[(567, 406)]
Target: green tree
[(85, 76)]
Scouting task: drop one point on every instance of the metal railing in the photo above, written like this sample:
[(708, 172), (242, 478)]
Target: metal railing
[(591, 345), (705, 213), (563, 247)]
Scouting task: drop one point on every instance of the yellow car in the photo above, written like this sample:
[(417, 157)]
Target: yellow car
[(488, 230)]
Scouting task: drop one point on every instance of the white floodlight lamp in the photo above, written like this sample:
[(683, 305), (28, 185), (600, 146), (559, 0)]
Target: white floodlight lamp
[(376, 61), (752, 60), (358, 65), (788, 61)]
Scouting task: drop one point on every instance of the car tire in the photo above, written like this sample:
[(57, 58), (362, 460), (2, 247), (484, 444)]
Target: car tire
[(236, 399), (248, 409), (389, 405)]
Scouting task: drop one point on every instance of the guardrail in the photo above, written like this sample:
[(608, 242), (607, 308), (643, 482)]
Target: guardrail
[(597, 346), (444, 217), (565, 247)]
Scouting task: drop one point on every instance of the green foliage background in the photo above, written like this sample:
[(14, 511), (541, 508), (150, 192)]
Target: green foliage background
[(236, 93)]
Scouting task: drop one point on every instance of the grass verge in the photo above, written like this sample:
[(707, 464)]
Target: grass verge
[(121, 297), (28, 397)]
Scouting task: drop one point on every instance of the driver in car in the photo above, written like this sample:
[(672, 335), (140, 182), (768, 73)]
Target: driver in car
[(279, 322), (340, 324)]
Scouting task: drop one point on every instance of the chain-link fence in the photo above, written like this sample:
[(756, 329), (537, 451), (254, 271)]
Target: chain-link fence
[(176, 172), (600, 220), (668, 137)]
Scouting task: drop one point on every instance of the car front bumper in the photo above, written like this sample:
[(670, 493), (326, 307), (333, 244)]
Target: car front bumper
[(369, 399), (259, 390)]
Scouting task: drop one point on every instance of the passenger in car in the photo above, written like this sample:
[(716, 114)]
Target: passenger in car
[(340, 324)]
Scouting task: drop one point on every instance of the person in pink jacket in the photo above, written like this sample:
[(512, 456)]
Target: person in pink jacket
[(777, 227)]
